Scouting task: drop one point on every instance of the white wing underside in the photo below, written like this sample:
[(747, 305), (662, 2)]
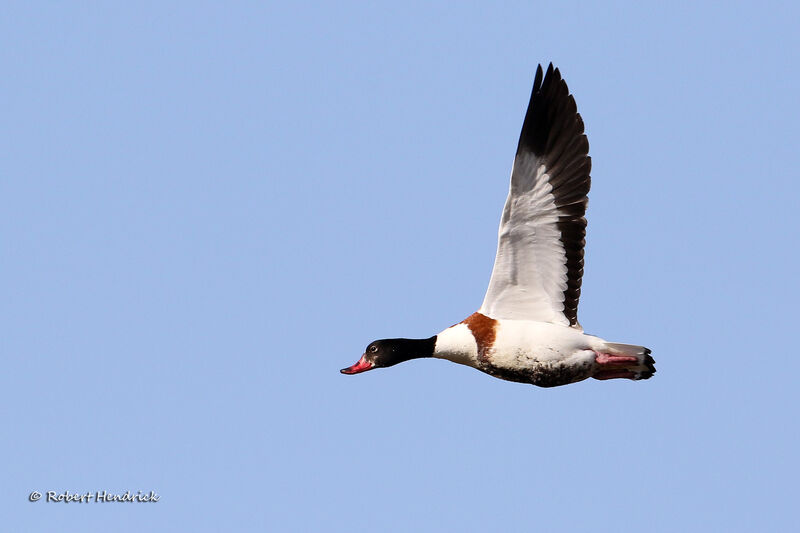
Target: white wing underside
[(530, 272)]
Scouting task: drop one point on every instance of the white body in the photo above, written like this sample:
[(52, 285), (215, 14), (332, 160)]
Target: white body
[(531, 352), (518, 342)]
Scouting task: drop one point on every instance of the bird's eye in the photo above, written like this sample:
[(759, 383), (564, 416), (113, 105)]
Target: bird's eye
[(373, 349)]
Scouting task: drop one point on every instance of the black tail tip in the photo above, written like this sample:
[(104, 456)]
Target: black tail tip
[(650, 363)]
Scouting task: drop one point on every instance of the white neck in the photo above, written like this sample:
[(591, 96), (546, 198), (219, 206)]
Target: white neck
[(457, 344)]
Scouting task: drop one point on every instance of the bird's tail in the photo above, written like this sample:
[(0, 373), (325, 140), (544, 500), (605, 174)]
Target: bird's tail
[(625, 361)]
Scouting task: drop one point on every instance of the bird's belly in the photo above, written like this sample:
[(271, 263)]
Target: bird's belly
[(542, 373)]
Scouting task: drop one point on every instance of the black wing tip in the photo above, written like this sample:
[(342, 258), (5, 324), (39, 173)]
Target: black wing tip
[(549, 105), (537, 79)]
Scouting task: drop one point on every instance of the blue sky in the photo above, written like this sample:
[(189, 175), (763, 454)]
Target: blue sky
[(208, 209)]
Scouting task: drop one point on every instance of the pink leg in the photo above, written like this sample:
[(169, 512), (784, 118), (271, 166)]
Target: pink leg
[(615, 360)]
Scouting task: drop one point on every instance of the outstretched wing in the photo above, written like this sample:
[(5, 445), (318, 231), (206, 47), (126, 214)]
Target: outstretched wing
[(539, 264)]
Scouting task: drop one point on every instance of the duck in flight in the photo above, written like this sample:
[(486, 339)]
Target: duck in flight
[(527, 329)]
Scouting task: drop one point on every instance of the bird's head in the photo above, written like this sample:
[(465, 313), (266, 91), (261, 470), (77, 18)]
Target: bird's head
[(388, 352)]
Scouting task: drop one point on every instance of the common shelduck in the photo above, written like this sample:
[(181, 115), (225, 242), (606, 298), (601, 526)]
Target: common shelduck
[(527, 329)]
